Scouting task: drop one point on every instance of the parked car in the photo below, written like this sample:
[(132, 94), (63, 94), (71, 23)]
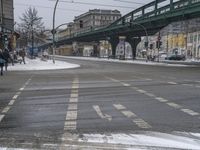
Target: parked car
[(175, 57)]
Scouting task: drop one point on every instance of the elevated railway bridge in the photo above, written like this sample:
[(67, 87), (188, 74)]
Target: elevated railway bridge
[(146, 20)]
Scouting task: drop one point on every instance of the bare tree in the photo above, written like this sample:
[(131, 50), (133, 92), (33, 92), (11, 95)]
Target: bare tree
[(30, 27)]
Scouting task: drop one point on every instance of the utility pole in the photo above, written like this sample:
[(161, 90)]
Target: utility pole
[(32, 40), (54, 31)]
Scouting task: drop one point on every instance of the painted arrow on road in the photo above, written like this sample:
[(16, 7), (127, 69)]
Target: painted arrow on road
[(99, 112)]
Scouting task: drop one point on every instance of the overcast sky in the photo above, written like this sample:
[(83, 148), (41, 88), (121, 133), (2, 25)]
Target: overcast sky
[(67, 10)]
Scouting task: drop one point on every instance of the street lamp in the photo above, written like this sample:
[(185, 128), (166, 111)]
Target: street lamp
[(54, 31)]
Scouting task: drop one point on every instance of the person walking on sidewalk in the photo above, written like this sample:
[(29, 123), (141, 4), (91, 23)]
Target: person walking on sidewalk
[(22, 53), (2, 61), (7, 56)]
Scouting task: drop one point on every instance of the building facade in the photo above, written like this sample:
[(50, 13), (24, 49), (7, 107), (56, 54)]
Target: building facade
[(94, 19), (6, 21)]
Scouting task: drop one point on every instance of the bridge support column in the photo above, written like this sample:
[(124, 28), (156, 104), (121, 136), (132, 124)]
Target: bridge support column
[(133, 41), (96, 48), (114, 41)]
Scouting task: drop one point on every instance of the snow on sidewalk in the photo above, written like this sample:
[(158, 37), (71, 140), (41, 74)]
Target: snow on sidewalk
[(37, 64)]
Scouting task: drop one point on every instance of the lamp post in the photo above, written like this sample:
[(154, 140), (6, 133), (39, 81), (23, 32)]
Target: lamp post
[(54, 31)]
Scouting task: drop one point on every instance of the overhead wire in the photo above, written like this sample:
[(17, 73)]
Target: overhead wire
[(46, 7), (94, 4)]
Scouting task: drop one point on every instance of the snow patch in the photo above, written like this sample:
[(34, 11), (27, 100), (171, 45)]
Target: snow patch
[(37, 64), (163, 140)]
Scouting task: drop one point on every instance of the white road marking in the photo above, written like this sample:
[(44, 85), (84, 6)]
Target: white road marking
[(74, 95), (70, 125), (99, 112), (141, 91), (18, 93), (21, 89), (190, 112), (125, 84), (15, 97), (174, 105), (73, 99), (150, 94), (174, 83), (160, 99), (72, 107), (71, 115), (119, 106), (141, 123), (74, 91), (1, 117), (128, 114), (11, 102), (6, 109)]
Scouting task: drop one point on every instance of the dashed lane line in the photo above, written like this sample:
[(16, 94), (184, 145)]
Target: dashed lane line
[(1, 117), (160, 99), (163, 100), (12, 101), (129, 114), (190, 112), (173, 83), (176, 106), (6, 109)]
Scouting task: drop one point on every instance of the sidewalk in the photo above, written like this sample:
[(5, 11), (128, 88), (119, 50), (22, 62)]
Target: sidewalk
[(137, 61), (38, 64)]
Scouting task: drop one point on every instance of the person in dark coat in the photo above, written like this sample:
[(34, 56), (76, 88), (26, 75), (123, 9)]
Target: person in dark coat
[(2, 61), (6, 57)]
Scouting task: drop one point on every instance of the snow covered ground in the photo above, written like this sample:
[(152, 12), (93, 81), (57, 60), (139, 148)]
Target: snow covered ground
[(176, 140), (37, 64)]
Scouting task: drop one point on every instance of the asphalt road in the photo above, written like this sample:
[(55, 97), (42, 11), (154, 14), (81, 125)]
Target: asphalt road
[(46, 109)]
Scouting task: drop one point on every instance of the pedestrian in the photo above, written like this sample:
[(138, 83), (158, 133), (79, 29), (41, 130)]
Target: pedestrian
[(2, 61), (22, 53), (7, 56)]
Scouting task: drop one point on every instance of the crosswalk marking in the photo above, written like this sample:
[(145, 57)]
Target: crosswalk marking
[(119, 106), (190, 112), (174, 105), (129, 114), (160, 99), (72, 107), (141, 123), (71, 116)]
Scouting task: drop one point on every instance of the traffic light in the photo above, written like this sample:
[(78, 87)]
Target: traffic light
[(158, 44)]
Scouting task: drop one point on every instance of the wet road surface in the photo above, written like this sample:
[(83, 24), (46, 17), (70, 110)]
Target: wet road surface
[(52, 109)]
